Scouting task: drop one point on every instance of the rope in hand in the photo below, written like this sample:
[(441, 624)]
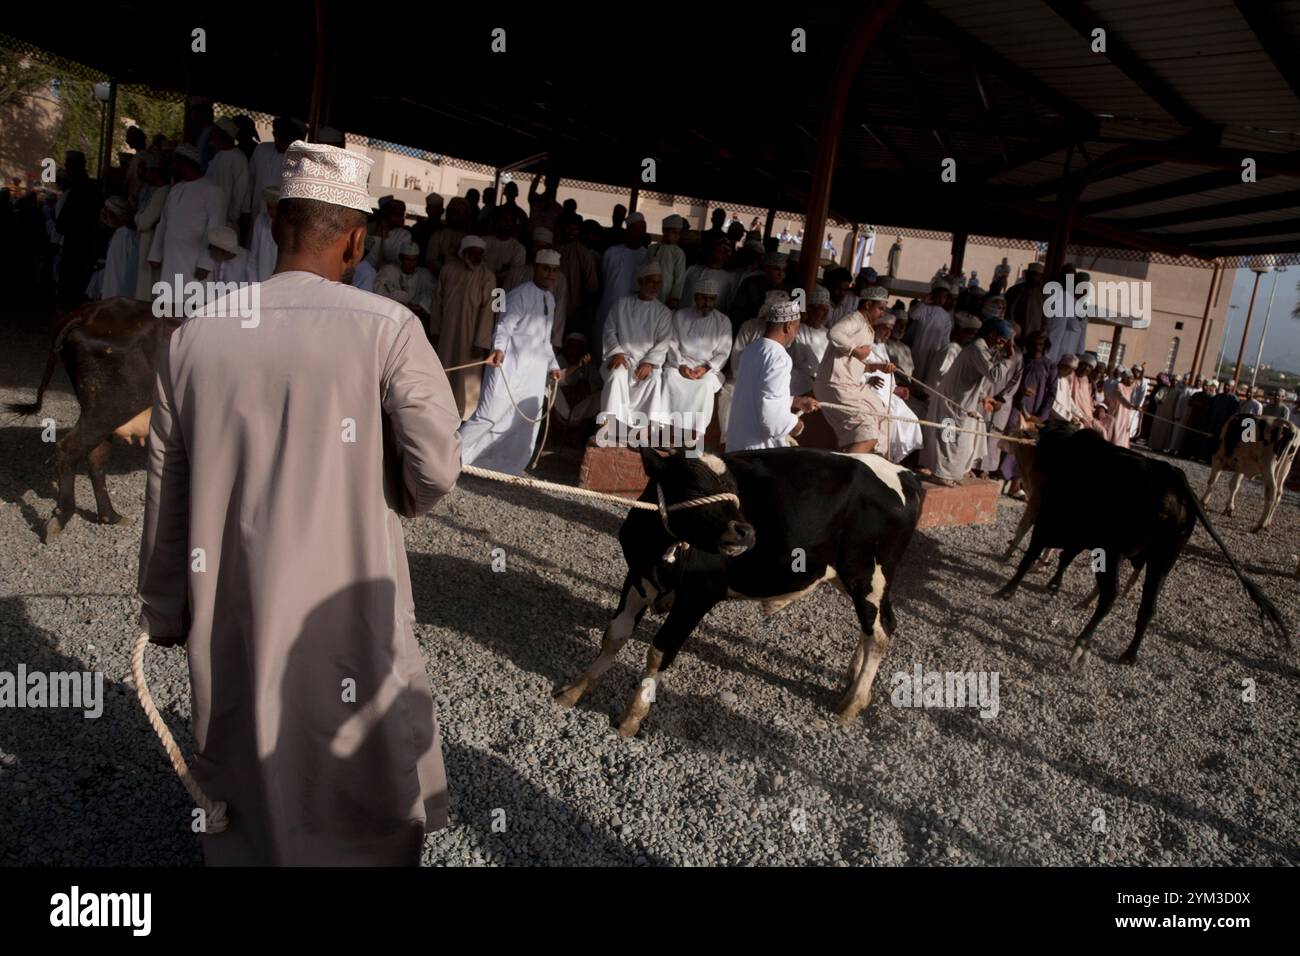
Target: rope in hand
[(1000, 436), (504, 478), (1170, 421), (214, 810)]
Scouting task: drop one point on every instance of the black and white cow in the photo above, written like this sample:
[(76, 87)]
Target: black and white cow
[(803, 517), (1149, 524), (1254, 446)]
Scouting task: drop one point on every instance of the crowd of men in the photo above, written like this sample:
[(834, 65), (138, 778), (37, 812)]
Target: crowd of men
[(530, 304)]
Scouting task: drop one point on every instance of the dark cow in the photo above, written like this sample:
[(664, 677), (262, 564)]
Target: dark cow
[(1149, 524), (1253, 446), (804, 517), (109, 350)]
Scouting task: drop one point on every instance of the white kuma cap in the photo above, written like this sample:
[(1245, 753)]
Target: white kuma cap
[(326, 174)]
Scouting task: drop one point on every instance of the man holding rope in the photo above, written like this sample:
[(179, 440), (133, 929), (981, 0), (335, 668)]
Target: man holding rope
[(849, 376), (503, 430), (282, 450), (963, 393)]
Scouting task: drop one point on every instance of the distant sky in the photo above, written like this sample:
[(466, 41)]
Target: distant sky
[(1282, 347)]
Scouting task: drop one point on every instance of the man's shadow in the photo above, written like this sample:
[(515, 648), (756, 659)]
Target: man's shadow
[(357, 753)]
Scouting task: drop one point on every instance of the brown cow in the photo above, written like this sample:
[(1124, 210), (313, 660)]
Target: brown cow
[(109, 350), (1253, 446), (1030, 479)]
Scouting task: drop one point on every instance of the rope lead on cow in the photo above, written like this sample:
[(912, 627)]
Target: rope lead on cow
[(215, 819)]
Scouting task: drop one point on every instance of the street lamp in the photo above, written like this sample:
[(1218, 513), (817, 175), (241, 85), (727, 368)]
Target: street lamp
[(1264, 332), (1223, 342), (1259, 269)]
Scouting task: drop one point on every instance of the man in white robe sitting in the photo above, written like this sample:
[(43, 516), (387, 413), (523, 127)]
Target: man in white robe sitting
[(635, 344), (409, 283), (762, 409), (499, 436), (699, 344)]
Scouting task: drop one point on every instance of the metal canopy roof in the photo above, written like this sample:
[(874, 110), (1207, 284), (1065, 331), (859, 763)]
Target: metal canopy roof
[(1010, 89)]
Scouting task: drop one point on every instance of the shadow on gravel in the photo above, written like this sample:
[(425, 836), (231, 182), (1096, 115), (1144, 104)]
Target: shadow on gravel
[(30, 468), (501, 621), (702, 723), (86, 792), (1201, 642), (536, 623), (1092, 775), (537, 824), (597, 517)]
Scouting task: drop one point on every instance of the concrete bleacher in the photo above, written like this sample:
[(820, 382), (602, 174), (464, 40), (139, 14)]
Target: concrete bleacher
[(618, 471)]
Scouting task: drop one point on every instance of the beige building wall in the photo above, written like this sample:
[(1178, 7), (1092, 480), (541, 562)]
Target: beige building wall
[(1178, 296), (1177, 293)]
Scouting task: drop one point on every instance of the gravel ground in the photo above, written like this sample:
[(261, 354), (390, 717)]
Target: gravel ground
[(738, 763)]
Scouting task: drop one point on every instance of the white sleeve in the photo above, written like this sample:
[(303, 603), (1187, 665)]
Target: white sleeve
[(662, 332), (721, 346), (611, 344), (159, 237), (507, 324), (214, 201), (673, 356), (774, 411)]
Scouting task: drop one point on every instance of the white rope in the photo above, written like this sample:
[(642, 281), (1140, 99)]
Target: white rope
[(215, 819), (1000, 436)]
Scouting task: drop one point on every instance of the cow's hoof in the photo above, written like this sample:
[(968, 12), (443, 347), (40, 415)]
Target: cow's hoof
[(53, 527), (1053, 587), (1128, 658), (1004, 594), (1079, 658), (628, 728), (114, 518), (569, 696), (846, 716)]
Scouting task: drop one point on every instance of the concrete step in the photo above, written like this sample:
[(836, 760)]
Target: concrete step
[(618, 471)]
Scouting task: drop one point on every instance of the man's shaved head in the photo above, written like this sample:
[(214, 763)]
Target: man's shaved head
[(309, 225)]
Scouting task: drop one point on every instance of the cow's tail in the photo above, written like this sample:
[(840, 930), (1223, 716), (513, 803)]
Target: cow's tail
[(1266, 607), (31, 408)]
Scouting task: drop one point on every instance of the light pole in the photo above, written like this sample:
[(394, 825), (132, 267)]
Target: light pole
[(1259, 271), (1264, 331), (1223, 343)]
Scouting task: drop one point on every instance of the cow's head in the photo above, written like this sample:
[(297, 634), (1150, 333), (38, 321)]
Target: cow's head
[(719, 527)]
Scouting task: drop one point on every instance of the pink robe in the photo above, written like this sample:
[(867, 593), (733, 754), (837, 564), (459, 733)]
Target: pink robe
[(1117, 424), (281, 454), (1082, 393)]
